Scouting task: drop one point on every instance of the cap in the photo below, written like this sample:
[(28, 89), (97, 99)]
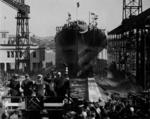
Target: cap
[(39, 75)]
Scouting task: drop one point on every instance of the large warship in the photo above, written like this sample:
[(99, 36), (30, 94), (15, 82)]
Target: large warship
[(77, 47)]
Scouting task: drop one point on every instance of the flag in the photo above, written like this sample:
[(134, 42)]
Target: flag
[(78, 4), (69, 15), (96, 17), (92, 13)]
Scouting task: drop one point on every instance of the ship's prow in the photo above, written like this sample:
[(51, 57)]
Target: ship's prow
[(77, 46)]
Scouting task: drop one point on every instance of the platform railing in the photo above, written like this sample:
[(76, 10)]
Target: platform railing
[(33, 103)]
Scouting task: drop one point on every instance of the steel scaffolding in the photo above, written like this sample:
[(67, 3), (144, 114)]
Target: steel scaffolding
[(129, 44)]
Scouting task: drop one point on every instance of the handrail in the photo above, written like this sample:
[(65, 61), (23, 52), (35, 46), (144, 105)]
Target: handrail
[(39, 103)]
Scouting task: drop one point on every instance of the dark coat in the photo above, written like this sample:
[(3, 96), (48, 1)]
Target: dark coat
[(14, 87), (27, 86)]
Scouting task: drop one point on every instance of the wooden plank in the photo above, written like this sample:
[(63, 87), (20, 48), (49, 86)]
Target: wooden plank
[(53, 104), (93, 90), (79, 88)]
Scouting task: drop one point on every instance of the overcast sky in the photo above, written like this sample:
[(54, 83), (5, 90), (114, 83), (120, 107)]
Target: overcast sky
[(47, 14)]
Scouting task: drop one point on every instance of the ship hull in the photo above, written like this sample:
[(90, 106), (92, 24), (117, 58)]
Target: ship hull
[(77, 50)]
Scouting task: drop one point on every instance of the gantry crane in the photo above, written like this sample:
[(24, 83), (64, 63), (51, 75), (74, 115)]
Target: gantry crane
[(131, 8), (22, 57)]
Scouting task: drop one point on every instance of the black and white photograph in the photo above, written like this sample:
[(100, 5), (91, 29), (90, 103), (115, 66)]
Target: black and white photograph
[(74, 59)]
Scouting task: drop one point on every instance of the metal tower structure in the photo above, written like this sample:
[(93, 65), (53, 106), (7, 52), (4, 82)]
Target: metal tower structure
[(22, 51), (131, 8), (134, 38)]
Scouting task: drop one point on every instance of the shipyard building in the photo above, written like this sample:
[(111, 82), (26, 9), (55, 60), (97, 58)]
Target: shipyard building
[(129, 47), (40, 57)]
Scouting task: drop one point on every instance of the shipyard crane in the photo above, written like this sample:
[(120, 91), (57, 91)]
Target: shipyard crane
[(22, 57)]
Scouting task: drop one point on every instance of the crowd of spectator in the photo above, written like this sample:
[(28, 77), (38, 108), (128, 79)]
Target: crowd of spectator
[(135, 106)]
